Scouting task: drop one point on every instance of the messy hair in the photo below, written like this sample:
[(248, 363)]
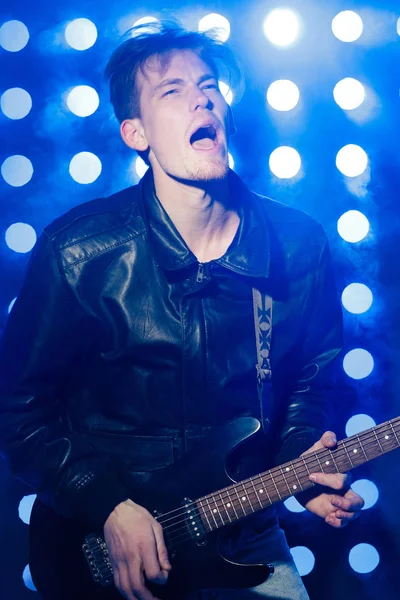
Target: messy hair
[(159, 39)]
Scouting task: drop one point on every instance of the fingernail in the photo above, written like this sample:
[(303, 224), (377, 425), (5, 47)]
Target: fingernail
[(313, 477), (332, 440)]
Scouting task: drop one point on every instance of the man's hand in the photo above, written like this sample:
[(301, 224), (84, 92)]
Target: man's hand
[(137, 550), (340, 508)]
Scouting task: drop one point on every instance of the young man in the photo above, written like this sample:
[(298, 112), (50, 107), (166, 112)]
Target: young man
[(133, 335)]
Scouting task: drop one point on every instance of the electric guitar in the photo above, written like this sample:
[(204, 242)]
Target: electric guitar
[(193, 499)]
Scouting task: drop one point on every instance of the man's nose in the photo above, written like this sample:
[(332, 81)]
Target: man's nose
[(200, 100)]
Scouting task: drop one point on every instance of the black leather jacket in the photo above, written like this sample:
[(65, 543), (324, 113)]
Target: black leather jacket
[(121, 349)]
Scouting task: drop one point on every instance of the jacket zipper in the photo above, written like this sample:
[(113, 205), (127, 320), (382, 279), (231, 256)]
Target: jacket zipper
[(200, 273)]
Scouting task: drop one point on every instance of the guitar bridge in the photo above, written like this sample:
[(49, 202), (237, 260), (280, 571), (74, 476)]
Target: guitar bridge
[(98, 558)]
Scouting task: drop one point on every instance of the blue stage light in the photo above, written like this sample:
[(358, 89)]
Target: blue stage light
[(226, 91), (347, 26), (14, 36), (281, 27), (85, 167), (20, 237), (83, 100), (25, 508), (16, 103), (283, 95), (358, 423), (364, 558), (304, 559), (294, 505), (285, 162), (219, 23), (81, 34), (352, 160), (353, 226), (349, 93), (367, 490), (27, 578), (358, 363), (357, 298), (140, 167), (10, 306), (17, 170)]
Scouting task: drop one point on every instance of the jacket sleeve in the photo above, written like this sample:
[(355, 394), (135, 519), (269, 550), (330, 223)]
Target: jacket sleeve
[(44, 339), (308, 409)]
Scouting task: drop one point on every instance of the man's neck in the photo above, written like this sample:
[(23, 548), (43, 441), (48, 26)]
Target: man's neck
[(204, 214)]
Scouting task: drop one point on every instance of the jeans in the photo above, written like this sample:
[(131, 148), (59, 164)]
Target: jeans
[(268, 547)]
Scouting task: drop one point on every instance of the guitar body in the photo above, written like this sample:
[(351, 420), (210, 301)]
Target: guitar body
[(59, 567)]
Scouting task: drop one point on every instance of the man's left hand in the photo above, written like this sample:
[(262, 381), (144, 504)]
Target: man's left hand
[(337, 508)]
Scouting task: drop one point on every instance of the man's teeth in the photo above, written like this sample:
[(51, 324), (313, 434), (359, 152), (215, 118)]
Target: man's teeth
[(204, 144)]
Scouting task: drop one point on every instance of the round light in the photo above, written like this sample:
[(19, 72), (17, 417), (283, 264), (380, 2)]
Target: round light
[(17, 170), (25, 508), (358, 363), (16, 103), (281, 27), (349, 93), (398, 26), (226, 91), (357, 298), (294, 505), (367, 490), (285, 162), (352, 160), (283, 95), (347, 26), (304, 559), (83, 100), (20, 237), (85, 167), (140, 167), (14, 36), (364, 558), (81, 34), (358, 423), (145, 21), (219, 23), (27, 578), (353, 226), (10, 306), (231, 162)]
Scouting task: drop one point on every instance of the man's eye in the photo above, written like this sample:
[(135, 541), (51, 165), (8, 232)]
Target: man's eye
[(170, 92), (210, 86)]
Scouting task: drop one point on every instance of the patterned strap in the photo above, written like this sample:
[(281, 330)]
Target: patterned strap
[(262, 304)]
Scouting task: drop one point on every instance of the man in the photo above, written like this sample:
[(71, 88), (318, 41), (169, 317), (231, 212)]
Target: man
[(134, 335)]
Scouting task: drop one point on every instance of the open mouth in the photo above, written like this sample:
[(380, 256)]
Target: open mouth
[(204, 138)]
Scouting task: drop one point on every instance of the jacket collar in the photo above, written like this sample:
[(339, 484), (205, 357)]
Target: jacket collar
[(249, 253)]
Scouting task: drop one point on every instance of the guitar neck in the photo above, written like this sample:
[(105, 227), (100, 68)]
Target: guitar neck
[(252, 495)]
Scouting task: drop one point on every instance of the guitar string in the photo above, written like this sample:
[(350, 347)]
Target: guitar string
[(322, 454), (340, 452)]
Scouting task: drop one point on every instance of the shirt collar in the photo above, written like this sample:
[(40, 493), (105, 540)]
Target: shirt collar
[(249, 253)]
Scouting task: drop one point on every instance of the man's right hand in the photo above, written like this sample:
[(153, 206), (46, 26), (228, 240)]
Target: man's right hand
[(137, 550)]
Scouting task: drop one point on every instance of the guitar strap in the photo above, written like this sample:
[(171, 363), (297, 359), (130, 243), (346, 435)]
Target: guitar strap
[(262, 304)]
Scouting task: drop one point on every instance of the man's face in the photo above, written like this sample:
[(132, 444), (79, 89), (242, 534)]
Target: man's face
[(184, 117)]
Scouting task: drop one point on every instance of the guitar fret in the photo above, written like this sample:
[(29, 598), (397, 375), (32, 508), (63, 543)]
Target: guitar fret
[(394, 433), (205, 514), (277, 491), (305, 464), (255, 491), (264, 488), (232, 504), (247, 498), (285, 480), (377, 439), (240, 502), (319, 462), (212, 514), (295, 474), (334, 463), (225, 506), (348, 455), (361, 446)]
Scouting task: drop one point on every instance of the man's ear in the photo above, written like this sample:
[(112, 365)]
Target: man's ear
[(132, 133), (231, 123)]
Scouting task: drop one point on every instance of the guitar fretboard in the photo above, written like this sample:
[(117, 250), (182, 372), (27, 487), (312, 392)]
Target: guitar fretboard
[(251, 495)]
